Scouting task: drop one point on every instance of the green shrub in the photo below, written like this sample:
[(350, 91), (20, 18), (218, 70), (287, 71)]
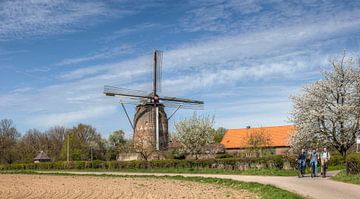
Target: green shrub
[(179, 154), (336, 160), (80, 165), (225, 155), (353, 163), (278, 161), (291, 159)]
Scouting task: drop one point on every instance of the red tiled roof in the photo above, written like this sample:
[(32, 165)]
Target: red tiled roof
[(238, 138)]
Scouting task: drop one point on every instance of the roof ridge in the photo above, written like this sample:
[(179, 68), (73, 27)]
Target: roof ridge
[(265, 127)]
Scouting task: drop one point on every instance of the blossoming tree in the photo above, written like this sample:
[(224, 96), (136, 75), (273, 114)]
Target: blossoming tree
[(327, 113)]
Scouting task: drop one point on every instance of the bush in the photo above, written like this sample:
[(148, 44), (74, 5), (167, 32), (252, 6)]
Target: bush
[(178, 154), (336, 160), (292, 160), (278, 161), (80, 164), (353, 163), (226, 155)]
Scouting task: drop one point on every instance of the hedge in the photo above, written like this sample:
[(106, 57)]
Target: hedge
[(353, 163), (276, 161)]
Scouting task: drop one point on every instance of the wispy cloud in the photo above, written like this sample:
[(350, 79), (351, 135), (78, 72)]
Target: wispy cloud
[(259, 50), (102, 54), (54, 119), (224, 16), (128, 31), (20, 19)]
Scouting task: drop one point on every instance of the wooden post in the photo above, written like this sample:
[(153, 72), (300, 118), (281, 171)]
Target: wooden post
[(68, 149)]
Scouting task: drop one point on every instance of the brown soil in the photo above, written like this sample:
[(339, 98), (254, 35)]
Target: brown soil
[(43, 186)]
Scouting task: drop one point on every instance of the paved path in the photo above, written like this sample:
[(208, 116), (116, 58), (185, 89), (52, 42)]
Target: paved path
[(307, 186)]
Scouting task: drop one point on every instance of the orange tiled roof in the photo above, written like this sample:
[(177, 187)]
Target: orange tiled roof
[(238, 138)]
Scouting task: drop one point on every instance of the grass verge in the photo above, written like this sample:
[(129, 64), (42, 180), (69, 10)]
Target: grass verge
[(263, 172), (343, 177), (264, 191)]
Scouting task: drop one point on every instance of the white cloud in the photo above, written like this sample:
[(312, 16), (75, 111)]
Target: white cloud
[(233, 51), (224, 16), (103, 54), (63, 118), (120, 70), (20, 19)]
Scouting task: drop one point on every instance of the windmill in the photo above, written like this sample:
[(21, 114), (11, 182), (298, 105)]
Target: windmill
[(150, 120)]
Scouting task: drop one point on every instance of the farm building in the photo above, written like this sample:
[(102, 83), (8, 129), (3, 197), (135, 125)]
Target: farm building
[(275, 138), (41, 157)]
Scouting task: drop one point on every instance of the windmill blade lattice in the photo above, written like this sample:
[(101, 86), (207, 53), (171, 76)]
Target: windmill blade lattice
[(159, 59), (116, 91), (183, 105)]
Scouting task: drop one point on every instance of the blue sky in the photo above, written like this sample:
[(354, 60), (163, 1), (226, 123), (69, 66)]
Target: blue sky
[(243, 58)]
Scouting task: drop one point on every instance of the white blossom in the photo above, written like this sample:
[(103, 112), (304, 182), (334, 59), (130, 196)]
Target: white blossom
[(327, 113), (194, 133)]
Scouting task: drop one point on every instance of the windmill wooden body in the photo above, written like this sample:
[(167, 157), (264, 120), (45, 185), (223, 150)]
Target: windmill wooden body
[(150, 123)]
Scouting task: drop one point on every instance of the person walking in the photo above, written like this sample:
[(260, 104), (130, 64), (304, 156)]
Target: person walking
[(324, 157), (314, 162), (302, 162)]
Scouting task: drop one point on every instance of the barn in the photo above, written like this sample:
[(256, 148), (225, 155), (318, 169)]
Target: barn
[(275, 138)]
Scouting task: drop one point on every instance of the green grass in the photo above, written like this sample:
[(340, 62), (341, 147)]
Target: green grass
[(264, 191), (336, 167), (343, 177)]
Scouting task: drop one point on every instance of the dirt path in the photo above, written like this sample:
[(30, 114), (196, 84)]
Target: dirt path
[(47, 186), (307, 186)]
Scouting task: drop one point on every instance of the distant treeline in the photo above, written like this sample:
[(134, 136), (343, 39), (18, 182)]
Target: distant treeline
[(85, 143)]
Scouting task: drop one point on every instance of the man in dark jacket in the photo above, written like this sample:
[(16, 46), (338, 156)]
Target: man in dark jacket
[(302, 162)]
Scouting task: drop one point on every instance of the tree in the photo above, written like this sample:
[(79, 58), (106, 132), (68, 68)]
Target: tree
[(146, 148), (327, 113), (194, 133), (8, 139), (31, 143), (77, 149), (257, 140), (219, 134), (85, 143), (117, 138), (117, 144), (56, 139)]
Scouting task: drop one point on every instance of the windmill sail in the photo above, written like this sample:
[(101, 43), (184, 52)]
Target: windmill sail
[(182, 100), (182, 105), (116, 91), (159, 61)]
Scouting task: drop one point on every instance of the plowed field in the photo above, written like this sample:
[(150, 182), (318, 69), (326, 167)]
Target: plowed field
[(46, 186)]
